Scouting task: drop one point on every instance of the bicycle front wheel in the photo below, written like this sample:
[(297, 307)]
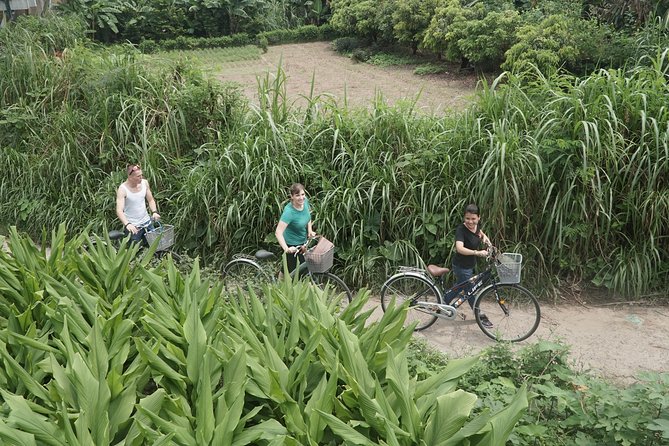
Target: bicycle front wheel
[(244, 274), (507, 312), (414, 289), (335, 289)]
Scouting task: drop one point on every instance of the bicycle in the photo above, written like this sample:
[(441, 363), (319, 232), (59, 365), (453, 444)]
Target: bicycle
[(162, 233), (504, 310), (264, 267)]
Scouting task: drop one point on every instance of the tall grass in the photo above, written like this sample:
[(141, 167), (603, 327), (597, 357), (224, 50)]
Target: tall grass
[(571, 171)]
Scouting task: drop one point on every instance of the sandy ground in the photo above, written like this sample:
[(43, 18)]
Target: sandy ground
[(615, 342), (339, 78)]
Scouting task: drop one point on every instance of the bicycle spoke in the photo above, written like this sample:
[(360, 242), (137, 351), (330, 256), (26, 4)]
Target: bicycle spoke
[(511, 309), (242, 275), (414, 289), (335, 288)]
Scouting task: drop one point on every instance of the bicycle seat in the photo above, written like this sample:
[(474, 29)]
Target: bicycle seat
[(437, 271), (262, 254), (116, 235)]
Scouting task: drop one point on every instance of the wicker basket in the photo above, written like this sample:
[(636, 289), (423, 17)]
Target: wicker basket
[(165, 234), (508, 267), (320, 258)]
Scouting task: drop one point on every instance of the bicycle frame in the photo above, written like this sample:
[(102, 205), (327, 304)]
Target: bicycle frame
[(463, 291)]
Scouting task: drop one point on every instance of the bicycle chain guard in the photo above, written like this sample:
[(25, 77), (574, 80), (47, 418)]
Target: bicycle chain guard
[(440, 310)]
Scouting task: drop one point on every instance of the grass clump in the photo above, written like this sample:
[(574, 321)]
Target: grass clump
[(383, 59), (430, 68)]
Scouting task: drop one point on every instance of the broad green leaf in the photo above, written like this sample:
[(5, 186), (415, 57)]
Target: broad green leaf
[(23, 418), (397, 373), (204, 417), (345, 431), (322, 400), (160, 366), (502, 423), (264, 431), (451, 413), (25, 378), (15, 437), (196, 339)]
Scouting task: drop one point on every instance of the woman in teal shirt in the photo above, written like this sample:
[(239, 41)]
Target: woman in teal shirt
[(295, 226)]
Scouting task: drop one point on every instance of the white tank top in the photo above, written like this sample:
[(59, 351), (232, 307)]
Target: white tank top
[(135, 205)]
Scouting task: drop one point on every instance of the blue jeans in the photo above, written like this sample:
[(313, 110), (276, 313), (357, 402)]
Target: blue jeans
[(462, 275), (139, 237)]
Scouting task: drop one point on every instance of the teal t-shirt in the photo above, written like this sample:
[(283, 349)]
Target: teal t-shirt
[(296, 231)]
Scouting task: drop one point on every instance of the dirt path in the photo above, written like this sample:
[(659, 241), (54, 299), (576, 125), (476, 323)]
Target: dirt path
[(340, 78), (615, 342)]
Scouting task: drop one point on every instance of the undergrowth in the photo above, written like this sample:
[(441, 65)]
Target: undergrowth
[(566, 407)]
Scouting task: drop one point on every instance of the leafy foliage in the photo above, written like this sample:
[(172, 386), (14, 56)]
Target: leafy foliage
[(98, 348), (560, 40), (479, 34), (411, 19), (568, 407)]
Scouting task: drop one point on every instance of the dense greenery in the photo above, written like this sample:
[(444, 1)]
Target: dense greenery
[(99, 349), (121, 20), (574, 34), (571, 172), (568, 408)]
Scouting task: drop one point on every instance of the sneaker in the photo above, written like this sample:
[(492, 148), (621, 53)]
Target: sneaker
[(486, 322)]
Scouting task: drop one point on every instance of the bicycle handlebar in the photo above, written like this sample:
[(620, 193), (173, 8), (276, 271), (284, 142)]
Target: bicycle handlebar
[(301, 249)]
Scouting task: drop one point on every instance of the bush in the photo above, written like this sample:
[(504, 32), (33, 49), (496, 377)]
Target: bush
[(194, 362), (430, 68), (306, 33), (361, 54), (191, 43), (346, 45), (148, 46), (565, 41)]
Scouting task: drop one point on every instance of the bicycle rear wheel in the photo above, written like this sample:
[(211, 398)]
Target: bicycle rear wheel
[(513, 312), (412, 288), (244, 274), (335, 289)]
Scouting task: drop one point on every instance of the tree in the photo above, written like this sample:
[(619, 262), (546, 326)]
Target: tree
[(411, 19)]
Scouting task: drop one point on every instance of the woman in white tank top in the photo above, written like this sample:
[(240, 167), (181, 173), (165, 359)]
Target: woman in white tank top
[(132, 197)]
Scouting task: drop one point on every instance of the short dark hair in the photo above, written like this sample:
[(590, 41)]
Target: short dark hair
[(472, 209)]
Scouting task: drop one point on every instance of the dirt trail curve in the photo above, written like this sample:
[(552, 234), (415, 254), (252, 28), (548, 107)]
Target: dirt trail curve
[(615, 342), (338, 76)]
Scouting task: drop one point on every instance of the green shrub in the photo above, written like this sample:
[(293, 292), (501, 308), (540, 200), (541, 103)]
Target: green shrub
[(148, 46), (193, 364), (262, 43), (361, 54), (382, 59), (430, 68), (346, 45), (307, 33), (565, 41)]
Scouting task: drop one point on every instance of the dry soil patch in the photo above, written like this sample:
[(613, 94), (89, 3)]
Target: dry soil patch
[(342, 79)]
